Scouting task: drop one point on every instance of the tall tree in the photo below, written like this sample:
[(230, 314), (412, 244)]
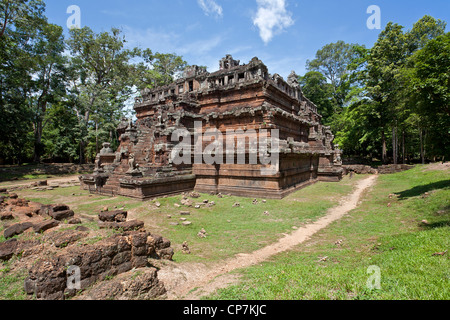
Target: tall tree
[(385, 61), (333, 61), (20, 21), (101, 78), (158, 69), (48, 79), (430, 79)]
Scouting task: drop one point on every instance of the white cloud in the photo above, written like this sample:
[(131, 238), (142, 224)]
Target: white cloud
[(210, 7), (271, 18)]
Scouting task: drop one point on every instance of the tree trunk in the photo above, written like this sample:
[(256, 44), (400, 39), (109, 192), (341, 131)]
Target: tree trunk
[(37, 142), (403, 147), (422, 153), (82, 147), (96, 138), (383, 152), (394, 144)]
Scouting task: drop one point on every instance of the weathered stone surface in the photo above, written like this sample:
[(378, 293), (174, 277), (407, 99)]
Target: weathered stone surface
[(59, 207), (44, 210), (166, 253), (16, 229), (62, 215), (113, 216), (112, 256), (47, 280), (6, 216), (186, 202), (82, 228), (7, 249), (393, 168), (141, 285), (359, 169), (74, 221), (29, 248), (124, 226), (45, 225), (66, 238)]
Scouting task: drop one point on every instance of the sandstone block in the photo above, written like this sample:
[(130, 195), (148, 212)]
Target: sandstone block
[(45, 225), (17, 229)]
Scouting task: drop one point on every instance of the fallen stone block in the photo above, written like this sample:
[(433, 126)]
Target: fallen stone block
[(74, 221), (132, 225), (45, 225), (17, 229), (61, 215), (65, 238), (6, 216), (59, 207), (7, 249), (113, 216)]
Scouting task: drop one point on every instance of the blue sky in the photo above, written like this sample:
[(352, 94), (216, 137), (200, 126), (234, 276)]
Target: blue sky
[(282, 33)]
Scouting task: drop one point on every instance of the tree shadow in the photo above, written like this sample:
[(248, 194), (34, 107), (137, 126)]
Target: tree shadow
[(420, 190), (438, 224)]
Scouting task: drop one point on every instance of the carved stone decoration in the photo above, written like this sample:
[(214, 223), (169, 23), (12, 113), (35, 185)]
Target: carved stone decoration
[(133, 166), (106, 149)]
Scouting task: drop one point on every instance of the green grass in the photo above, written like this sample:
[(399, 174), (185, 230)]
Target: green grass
[(11, 283), (232, 230), (373, 234), (389, 237)]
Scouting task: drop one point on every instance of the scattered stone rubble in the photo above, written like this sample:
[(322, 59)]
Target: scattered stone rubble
[(384, 169), (56, 247)]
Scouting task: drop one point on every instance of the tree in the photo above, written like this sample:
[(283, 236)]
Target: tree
[(101, 78), (48, 79), (158, 69), (430, 79), (385, 61), (333, 61), (20, 17), (20, 21), (315, 88)]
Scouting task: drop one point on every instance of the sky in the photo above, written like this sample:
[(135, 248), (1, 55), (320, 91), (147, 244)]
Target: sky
[(284, 34)]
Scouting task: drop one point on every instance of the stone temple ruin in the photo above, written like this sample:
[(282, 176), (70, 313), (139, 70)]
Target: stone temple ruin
[(243, 98)]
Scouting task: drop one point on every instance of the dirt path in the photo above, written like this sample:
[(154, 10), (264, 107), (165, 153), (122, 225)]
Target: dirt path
[(57, 180), (181, 281)]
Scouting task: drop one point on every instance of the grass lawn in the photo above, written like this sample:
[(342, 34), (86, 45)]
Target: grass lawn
[(231, 230), (389, 237), (383, 232)]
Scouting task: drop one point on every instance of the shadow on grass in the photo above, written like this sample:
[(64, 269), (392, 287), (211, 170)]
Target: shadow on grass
[(438, 224), (420, 190)]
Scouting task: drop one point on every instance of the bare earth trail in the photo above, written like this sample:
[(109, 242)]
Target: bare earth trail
[(56, 180), (206, 280)]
